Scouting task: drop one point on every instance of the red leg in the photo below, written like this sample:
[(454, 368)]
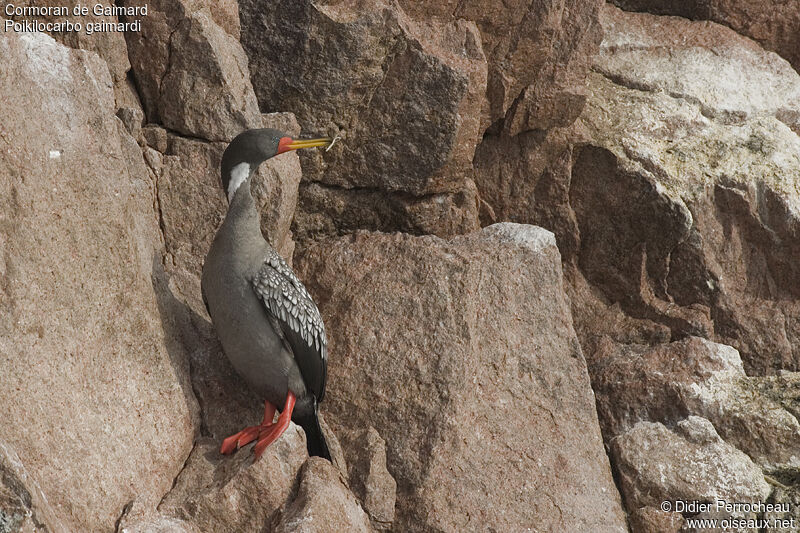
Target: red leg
[(248, 434), (269, 413), (269, 435)]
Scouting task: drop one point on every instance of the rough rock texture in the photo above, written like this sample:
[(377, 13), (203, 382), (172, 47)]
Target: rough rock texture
[(326, 211), (774, 25), (652, 520), (787, 497), (109, 45), (23, 505), (478, 358), (686, 194), (323, 503), (409, 95), (675, 194), (677, 212), (674, 199), (234, 494), (537, 52), (668, 382), (525, 178), (159, 525), (666, 165), (191, 74), (368, 476), (690, 463), (88, 388), (406, 98)]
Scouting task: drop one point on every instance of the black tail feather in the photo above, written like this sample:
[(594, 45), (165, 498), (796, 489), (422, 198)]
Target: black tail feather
[(315, 440)]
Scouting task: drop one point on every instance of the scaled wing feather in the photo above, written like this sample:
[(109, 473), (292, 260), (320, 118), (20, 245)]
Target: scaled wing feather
[(286, 298)]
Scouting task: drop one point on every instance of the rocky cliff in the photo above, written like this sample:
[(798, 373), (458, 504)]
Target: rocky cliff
[(556, 251)]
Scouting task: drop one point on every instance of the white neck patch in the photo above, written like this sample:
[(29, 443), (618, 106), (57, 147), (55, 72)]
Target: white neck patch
[(239, 173)]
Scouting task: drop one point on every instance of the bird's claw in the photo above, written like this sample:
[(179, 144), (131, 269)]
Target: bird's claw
[(243, 438), (266, 433)]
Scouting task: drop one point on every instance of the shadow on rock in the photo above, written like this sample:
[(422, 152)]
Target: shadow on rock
[(225, 404), (216, 493)]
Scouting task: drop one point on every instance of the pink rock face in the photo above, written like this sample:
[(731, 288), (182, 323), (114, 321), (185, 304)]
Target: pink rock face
[(478, 386), (88, 389), (661, 152), (701, 61), (667, 192), (668, 382), (538, 51), (684, 185), (322, 504), (407, 96), (412, 90), (192, 75), (775, 25), (525, 178)]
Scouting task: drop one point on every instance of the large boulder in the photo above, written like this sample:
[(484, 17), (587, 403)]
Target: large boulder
[(93, 400), (699, 62), (668, 382), (192, 74), (688, 464), (405, 96), (774, 25), (461, 354), (684, 186), (685, 423)]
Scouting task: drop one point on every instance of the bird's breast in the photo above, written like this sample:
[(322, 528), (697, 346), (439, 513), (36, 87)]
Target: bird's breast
[(255, 350)]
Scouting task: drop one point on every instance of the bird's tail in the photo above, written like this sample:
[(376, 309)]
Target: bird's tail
[(315, 440)]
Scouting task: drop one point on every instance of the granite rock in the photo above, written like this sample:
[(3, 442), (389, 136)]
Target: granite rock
[(477, 358), (191, 74), (81, 333)]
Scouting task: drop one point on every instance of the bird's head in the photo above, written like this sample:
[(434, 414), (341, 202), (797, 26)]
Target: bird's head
[(251, 148)]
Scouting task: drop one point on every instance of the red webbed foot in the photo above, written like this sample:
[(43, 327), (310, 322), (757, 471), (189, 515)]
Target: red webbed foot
[(269, 435), (249, 434)]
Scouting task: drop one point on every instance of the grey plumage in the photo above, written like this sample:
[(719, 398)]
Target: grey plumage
[(289, 302), (267, 322)]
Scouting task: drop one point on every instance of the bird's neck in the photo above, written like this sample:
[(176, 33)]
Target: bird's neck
[(242, 220), (237, 175)]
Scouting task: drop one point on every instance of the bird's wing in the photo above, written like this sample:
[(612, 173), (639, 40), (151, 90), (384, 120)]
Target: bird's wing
[(288, 301)]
